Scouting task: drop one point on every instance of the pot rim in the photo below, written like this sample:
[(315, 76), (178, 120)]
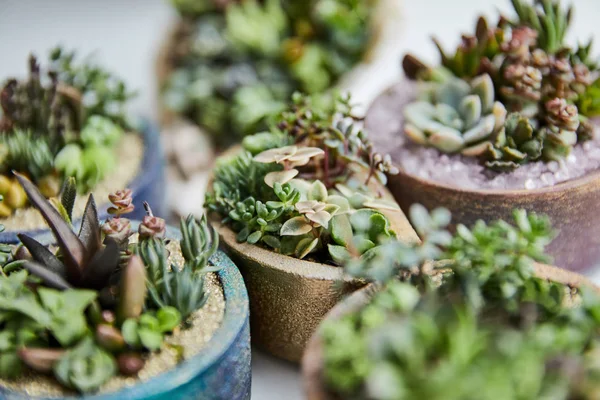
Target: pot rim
[(235, 317), (312, 360), (577, 182)]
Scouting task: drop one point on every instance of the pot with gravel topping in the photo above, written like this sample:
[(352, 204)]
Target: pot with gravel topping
[(122, 309), (505, 122), (66, 121)]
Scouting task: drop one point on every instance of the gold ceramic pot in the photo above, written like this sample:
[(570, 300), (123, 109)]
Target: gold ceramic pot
[(289, 296), (572, 206), (312, 361)]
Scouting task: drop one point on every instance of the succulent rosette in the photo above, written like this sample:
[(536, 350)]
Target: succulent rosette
[(534, 76)]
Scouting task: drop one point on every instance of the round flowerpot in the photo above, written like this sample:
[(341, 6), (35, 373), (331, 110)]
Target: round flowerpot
[(147, 185), (572, 205), (220, 370), (290, 296), (312, 361)]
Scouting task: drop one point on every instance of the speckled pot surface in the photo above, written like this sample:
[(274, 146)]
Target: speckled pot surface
[(221, 371), (572, 206), (288, 296), (312, 361), (148, 185)]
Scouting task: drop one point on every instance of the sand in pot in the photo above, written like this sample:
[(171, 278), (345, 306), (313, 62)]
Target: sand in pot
[(386, 122)]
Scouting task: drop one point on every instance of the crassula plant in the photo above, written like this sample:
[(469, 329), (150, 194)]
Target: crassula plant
[(476, 324), (63, 120), (302, 188), (236, 62), (99, 302), (511, 93)]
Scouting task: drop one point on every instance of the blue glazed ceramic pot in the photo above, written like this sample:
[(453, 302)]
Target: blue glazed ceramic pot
[(147, 186), (221, 371)]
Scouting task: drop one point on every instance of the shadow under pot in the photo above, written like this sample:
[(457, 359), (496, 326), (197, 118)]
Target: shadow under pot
[(140, 168), (313, 381), (289, 296), (217, 369), (567, 192)]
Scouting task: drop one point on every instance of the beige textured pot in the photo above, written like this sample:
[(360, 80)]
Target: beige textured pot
[(312, 361), (572, 206), (288, 296)]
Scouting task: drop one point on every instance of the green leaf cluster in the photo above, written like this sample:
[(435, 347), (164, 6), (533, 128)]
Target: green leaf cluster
[(149, 329), (240, 62), (32, 318), (179, 287), (549, 87), (478, 322)]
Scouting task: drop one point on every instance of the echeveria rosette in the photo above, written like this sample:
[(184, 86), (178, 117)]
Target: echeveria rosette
[(534, 73), (455, 115)]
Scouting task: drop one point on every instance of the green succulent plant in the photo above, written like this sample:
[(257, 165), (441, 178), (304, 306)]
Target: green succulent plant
[(401, 339), (85, 367), (548, 19), (456, 116), (488, 325), (542, 82), (26, 315), (180, 288), (83, 260), (517, 143), (50, 111), (149, 329), (21, 150)]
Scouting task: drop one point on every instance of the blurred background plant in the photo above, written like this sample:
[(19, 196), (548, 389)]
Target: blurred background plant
[(475, 321), (237, 62), (65, 125), (551, 87)]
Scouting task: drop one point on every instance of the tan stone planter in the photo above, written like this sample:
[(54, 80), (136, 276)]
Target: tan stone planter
[(312, 361), (288, 296)]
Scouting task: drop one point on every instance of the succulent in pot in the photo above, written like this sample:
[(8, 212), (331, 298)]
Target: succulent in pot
[(292, 204), (230, 64), (116, 308), (68, 119), (478, 322), (505, 122)]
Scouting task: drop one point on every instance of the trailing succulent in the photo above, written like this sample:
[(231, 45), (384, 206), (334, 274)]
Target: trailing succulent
[(308, 196), (64, 126), (100, 302), (238, 62), (476, 323), (548, 90)]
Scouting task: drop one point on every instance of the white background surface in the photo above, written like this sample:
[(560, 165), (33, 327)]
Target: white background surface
[(127, 33)]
